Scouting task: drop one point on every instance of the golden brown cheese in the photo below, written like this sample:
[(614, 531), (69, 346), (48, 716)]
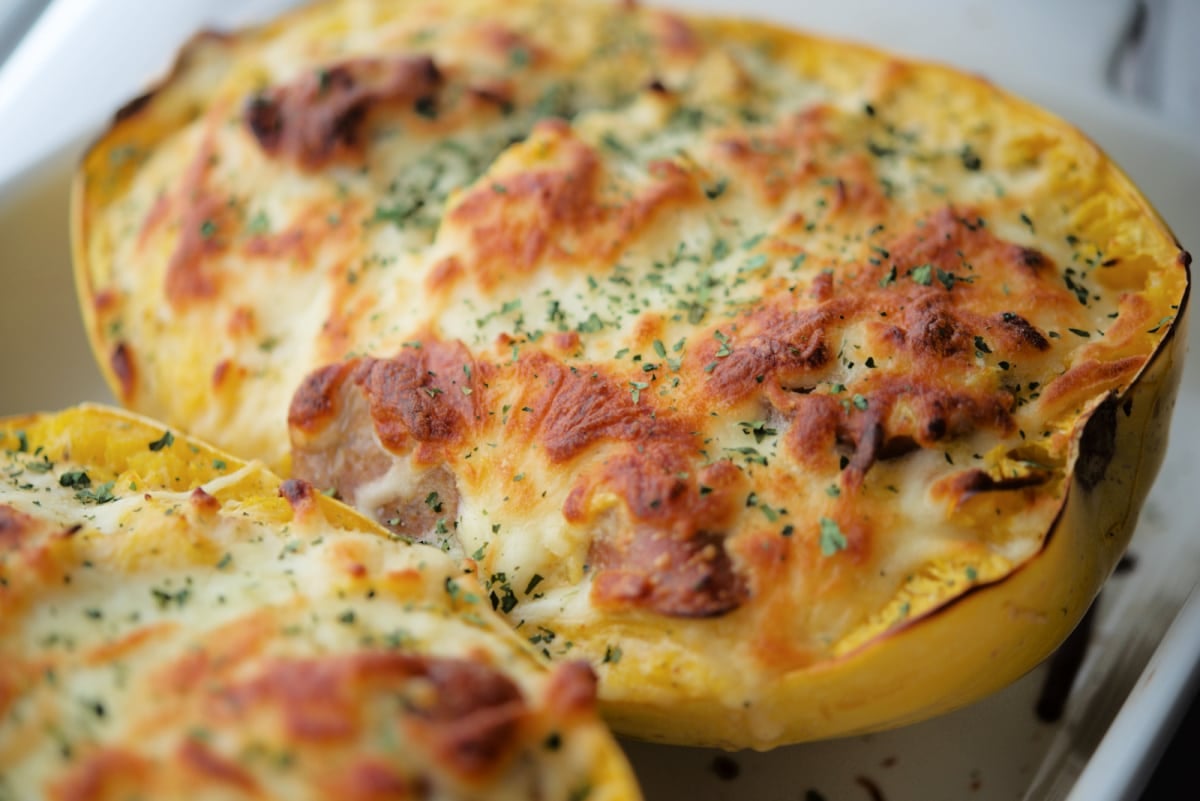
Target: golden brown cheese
[(725, 355), (177, 624)]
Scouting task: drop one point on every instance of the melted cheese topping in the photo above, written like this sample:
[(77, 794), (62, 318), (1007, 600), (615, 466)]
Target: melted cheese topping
[(219, 636), (720, 351)]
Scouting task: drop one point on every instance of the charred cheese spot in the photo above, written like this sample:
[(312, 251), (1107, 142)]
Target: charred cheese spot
[(1021, 333), (125, 369), (416, 396), (1027, 257), (971, 482), (315, 403), (204, 503), (577, 407), (299, 494), (789, 348), (473, 718), (668, 554), (954, 249), (321, 116), (467, 721), (933, 330), (559, 208), (815, 430), (930, 413)]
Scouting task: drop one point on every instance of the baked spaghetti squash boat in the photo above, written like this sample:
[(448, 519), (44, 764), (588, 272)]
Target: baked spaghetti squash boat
[(802, 390), (178, 624)]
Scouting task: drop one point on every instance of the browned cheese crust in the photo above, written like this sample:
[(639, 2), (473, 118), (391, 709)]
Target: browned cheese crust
[(721, 352), (175, 624)]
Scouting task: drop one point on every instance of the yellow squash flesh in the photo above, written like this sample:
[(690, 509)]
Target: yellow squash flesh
[(178, 624)]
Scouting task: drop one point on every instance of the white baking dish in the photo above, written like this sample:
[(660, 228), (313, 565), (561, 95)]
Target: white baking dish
[(1119, 713)]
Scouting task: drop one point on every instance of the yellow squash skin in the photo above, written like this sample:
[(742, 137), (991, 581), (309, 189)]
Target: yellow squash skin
[(181, 625), (753, 368)]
